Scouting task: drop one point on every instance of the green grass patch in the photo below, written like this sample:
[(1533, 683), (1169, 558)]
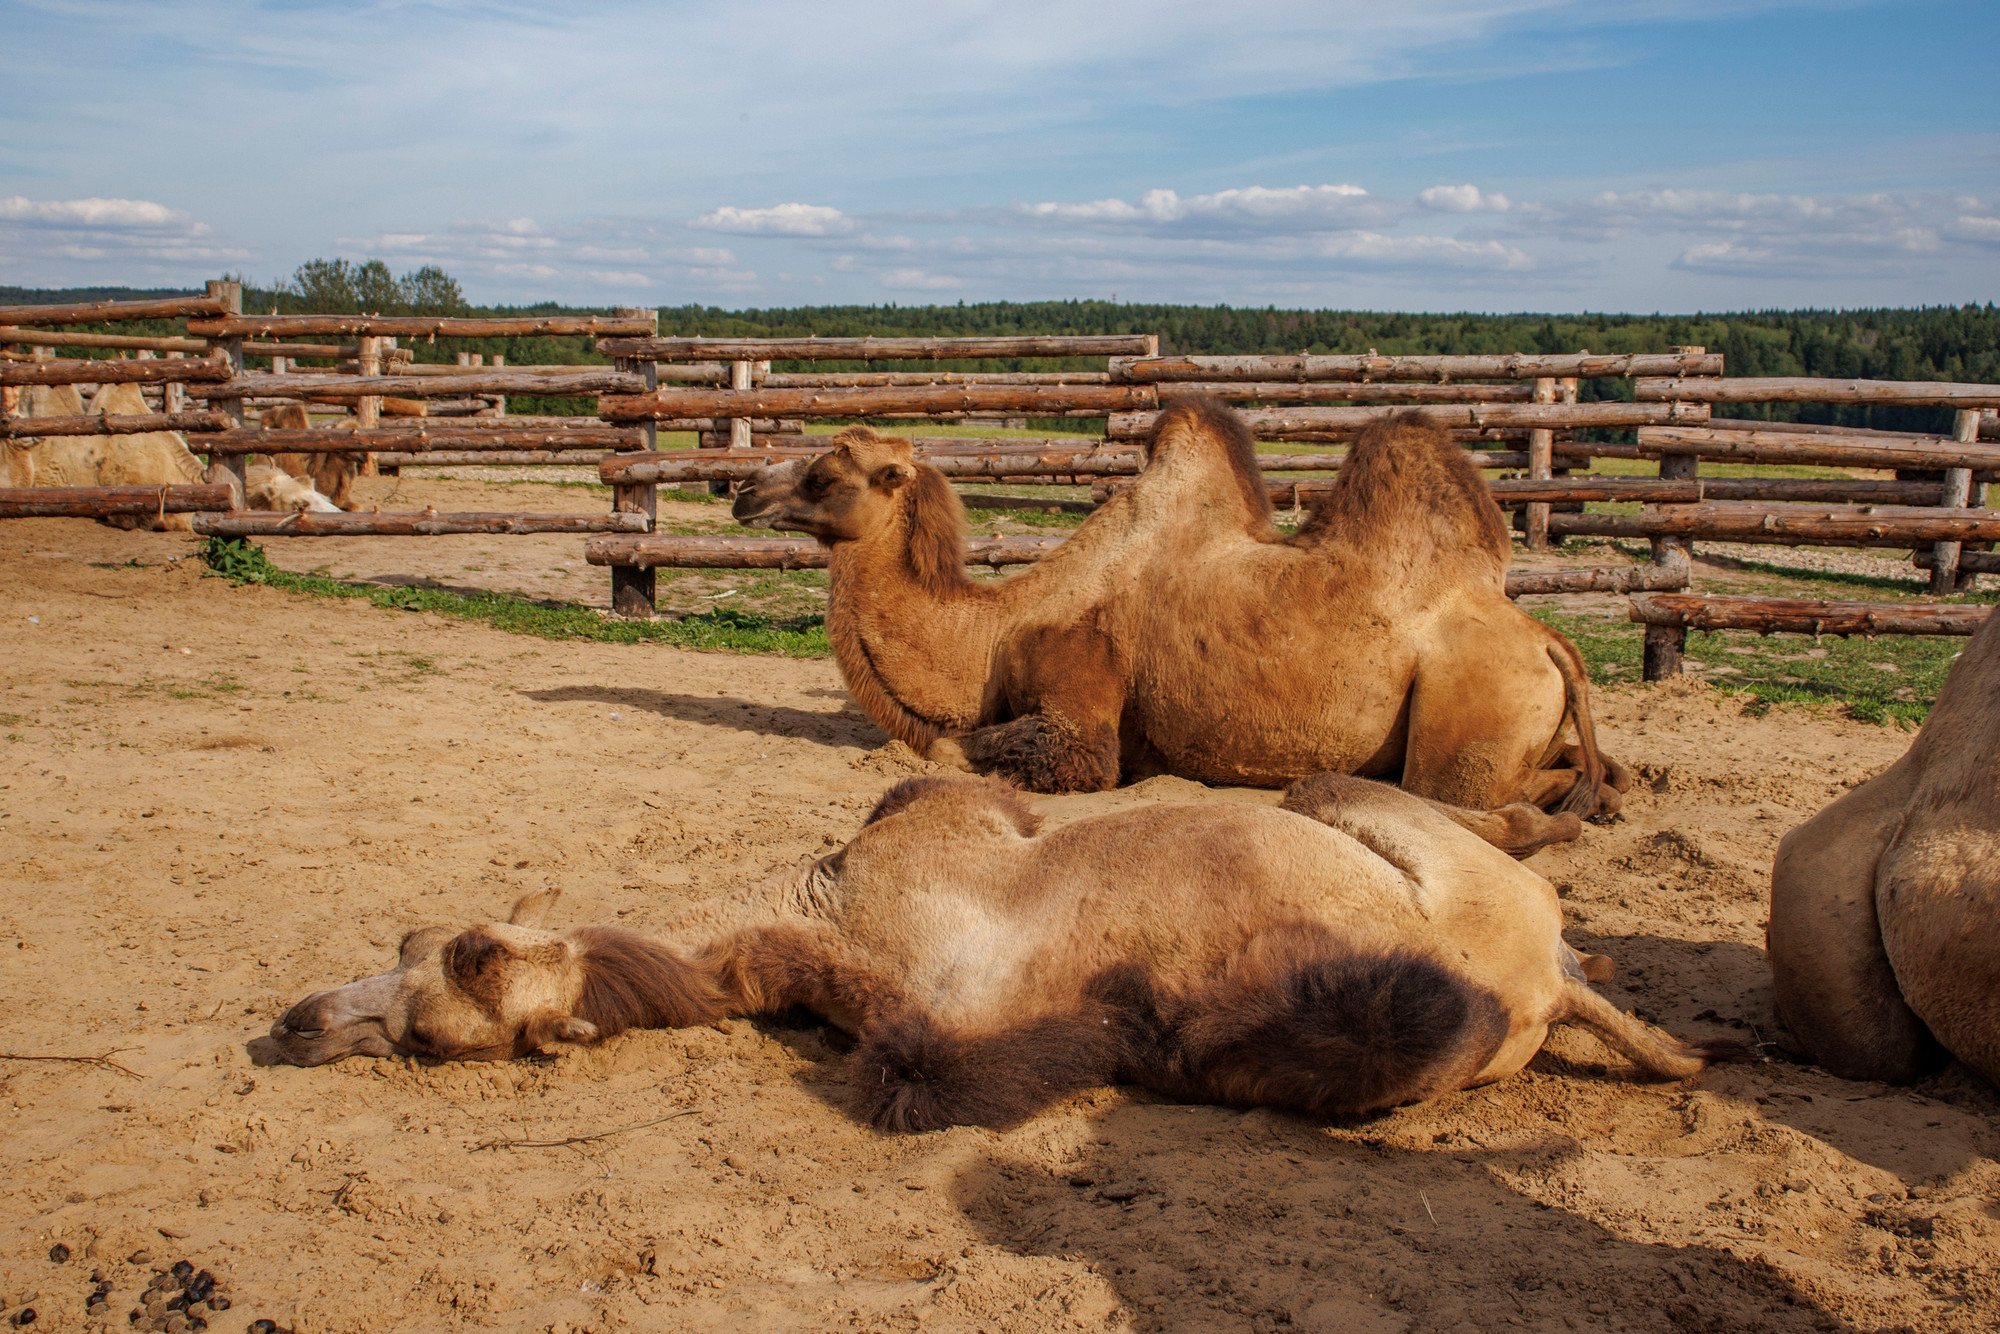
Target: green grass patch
[(723, 628)]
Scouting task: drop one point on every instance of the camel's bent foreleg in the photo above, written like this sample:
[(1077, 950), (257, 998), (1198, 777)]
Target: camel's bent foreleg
[(1518, 830), (1067, 692)]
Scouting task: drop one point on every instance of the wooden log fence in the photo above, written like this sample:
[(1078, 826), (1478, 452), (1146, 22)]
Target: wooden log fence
[(1780, 525), (416, 326), (1505, 366), (423, 440), (15, 428), (187, 370), (422, 523), (877, 349), (350, 387), (1735, 445), (109, 312), (490, 458), (1264, 422), (103, 502), (124, 342), (1803, 389), (1806, 616), (902, 400)]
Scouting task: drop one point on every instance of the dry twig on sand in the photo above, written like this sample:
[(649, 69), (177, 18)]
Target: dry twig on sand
[(575, 1139), (104, 1060)]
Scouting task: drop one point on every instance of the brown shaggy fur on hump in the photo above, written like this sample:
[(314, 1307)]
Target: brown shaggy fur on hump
[(630, 981), (1404, 478), (937, 532), (284, 417), (1217, 421), (910, 1074), (995, 793)]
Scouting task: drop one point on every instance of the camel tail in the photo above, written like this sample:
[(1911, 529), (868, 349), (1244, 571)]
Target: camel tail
[(1585, 796), (1651, 1051), (912, 1073)]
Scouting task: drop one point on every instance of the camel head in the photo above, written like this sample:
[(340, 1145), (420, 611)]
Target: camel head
[(845, 494), (494, 991)]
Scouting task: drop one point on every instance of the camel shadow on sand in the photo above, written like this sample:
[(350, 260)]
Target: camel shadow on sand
[(844, 726), (1203, 1219)]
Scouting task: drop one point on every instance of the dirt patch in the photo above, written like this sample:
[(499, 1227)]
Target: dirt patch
[(171, 888)]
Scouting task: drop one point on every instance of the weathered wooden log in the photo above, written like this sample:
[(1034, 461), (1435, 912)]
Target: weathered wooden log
[(1969, 562), (15, 428), (418, 440), (1612, 579), (876, 349), (442, 371), (135, 342), (1779, 525), (1032, 400), (1805, 389), (417, 326), (898, 379), (1503, 366), (497, 458), (1508, 493), (1310, 391), (978, 500), (422, 523), (1812, 428), (1841, 451), (1264, 422), (100, 312), (99, 502), (1468, 437), (1823, 490), (350, 387), (675, 466), (1806, 616), (317, 351), (186, 370)]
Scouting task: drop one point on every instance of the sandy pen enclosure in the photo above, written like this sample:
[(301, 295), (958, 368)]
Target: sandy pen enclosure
[(216, 799)]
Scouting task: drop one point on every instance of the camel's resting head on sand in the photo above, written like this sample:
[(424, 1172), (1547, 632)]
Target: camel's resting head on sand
[(845, 494), (1885, 907), (1356, 949)]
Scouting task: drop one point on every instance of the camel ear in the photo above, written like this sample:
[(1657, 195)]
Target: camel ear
[(533, 909), (891, 476)]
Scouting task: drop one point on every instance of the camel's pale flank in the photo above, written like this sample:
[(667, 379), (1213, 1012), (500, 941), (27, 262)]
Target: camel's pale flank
[(1885, 907), (153, 458), (1179, 631), (1351, 951)]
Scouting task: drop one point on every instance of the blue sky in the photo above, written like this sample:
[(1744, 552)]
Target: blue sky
[(1422, 155)]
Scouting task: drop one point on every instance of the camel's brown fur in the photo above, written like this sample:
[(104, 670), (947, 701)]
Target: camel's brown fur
[(1355, 950), (332, 475), (1179, 631), (1885, 907)]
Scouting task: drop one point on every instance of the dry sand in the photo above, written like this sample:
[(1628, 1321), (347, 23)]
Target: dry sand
[(218, 799)]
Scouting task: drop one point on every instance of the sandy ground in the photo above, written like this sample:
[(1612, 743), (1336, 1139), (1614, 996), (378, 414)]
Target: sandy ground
[(214, 800)]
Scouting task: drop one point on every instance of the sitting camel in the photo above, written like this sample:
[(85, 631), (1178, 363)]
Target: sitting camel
[(1885, 907), (331, 476), (151, 458), (1179, 631), (1356, 949)]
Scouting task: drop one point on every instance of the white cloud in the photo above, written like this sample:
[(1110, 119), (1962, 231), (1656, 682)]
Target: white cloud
[(1249, 207), (116, 213), (778, 220), (129, 238), (1971, 227), (1463, 199), (916, 280)]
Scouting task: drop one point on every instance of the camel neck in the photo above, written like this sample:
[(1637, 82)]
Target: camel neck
[(917, 659)]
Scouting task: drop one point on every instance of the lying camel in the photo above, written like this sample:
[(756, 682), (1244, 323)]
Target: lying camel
[(1885, 907), (152, 458), (331, 475), (1356, 949), (1178, 631)]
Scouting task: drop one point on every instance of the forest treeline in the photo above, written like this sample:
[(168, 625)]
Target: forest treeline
[(1920, 343)]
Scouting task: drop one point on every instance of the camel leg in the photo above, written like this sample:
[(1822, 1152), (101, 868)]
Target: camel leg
[(1067, 693), (1483, 707), (1836, 990)]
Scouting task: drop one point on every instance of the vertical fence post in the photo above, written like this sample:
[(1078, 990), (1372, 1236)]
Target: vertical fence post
[(1541, 452), (1666, 643), (633, 590), (499, 408), (741, 374), (173, 397), (1945, 578), (368, 409), (231, 296)]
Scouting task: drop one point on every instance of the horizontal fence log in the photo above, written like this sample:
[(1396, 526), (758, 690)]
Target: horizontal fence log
[(1612, 579), (1812, 428), (187, 370), (675, 466), (979, 500), (493, 458), (1472, 416), (345, 387), (316, 351), (130, 342), (1806, 616), (450, 435), (898, 379), (1804, 389), (103, 502), (422, 523), (1779, 525), (1345, 435), (103, 312), (1969, 562), (462, 372), (1268, 391), (876, 349), (913, 400), (1503, 366), (418, 326), (15, 428), (1733, 445)]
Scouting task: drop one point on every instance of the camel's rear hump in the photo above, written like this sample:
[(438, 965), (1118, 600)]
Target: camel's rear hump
[(1406, 486)]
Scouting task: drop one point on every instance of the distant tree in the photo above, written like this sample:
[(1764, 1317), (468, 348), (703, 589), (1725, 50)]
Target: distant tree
[(338, 286), (432, 291)]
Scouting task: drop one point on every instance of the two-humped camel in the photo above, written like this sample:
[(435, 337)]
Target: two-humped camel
[(1179, 631), (1351, 951), (152, 458), (1885, 907)]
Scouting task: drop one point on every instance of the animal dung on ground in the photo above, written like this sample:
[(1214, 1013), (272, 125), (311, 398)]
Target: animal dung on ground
[(59, 1253)]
